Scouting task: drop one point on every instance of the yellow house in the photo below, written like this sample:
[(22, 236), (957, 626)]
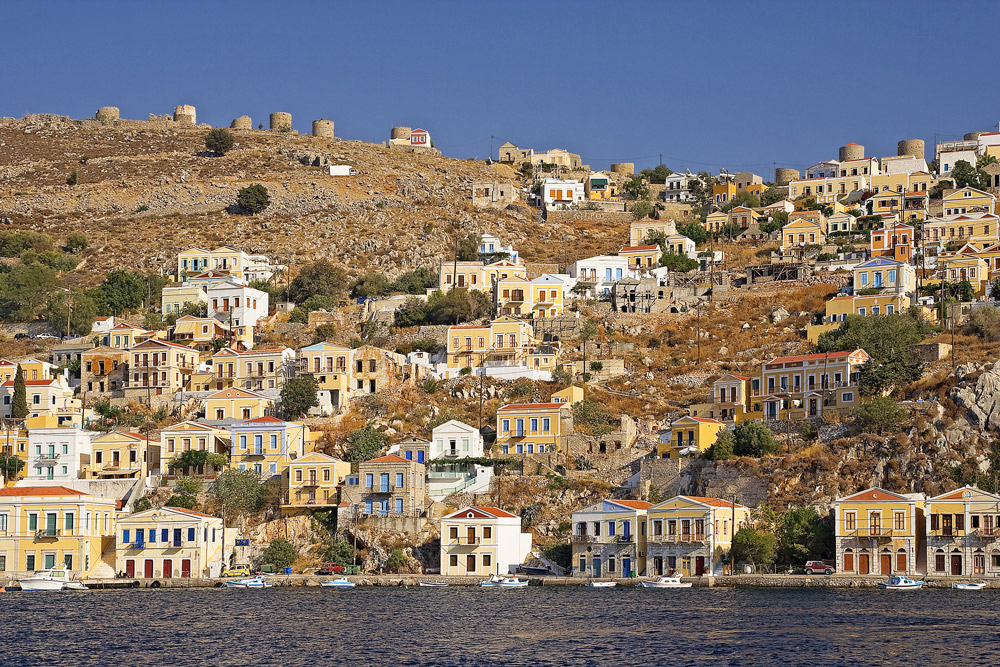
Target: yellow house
[(513, 296), (878, 532), (684, 532), (715, 222), (258, 369), (827, 190), (730, 397), (530, 428), (600, 185), (224, 259), (609, 539), (237, 404), (482, 541), (807, 385), (506, 341), (967, 200), (267, 445), (191, 436), (688, 436), (905, 206), (800, 233), (42, 527), (474, 275), (883, 273), (124, 336), (956, 230), (570, 395), (199, 332), (641, 230), (723, 192), (52, 397), (546, 297), (839, 307), (331, 366), (641, 256), (122, 455), (959, 267), (963, 533), (157, 367), (170, 543), (313, 480), (175, 297), (33, 369)]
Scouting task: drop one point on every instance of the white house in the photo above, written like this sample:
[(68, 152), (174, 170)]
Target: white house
[(169, 543), (455, 439), (480, 541), (678, 244), (450, 442), (490, 244), (561, 194), (602, 270), (56, 454), (238, 304), (677, 187), (52, 397), (950, 152)]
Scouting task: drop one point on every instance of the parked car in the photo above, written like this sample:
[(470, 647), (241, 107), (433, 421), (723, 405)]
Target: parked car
[(818, 567), (21, 336), (236, 571), (46, 336), (330, 568)]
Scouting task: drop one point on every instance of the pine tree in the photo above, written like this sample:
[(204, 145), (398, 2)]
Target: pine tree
[(19, 407)]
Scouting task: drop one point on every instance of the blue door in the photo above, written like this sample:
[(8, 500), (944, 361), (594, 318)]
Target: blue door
[(597, 567), (383, 480), (626, 567)]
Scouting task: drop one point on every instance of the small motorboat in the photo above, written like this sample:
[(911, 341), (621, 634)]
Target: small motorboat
[(897, 582), (339, 582), (670, 581), (498, 581), (601, 584), (250, 582), (75, 586), (433, 584), (971, 586), (54, 579)]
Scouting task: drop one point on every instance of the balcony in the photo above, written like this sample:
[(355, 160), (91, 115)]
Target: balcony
[(47, 532), (872, 532), (986, 533), (677, 538), (587, 539), (465, 540)]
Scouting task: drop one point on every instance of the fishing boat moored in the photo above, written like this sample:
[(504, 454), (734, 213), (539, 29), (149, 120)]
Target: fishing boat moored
[(339, 582), (670, 581), (250, 582), (499, 581), (897, 582), (971, 586)]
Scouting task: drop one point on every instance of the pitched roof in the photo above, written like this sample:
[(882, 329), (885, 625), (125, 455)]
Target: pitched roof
[(638, 248), (15, 491), (187, 511), (714, 502), (235, 392), (390, 458), (482, 512), (264, 420), (529, 406), (634, 504), (810, 357), (874, 494)]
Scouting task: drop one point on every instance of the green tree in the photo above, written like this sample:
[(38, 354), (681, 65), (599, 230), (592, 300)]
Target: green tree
[(81, 317), (723, 448), (967, 176), (141, 505), (219, 140), (468, 248), (560, 553), (16, 241), (324, 332), (238, 492), (319, 278), (881, 414), (679, 263), (195, 458), (802, 535), (370, 285), (754, 547), (887, 339), (593, 418), (340, 552), (397, 561), (280, 553), (181, 500), (364, 444), (416, 281), (743, 198), (25, 291), (694, 231), (753, 438), (73, 179), (76, 242), (19, 403), (121, 291), (635, 188), (771, 195), (10, 466), (642, 209), (298, 395), (985, 322), (253, 199)]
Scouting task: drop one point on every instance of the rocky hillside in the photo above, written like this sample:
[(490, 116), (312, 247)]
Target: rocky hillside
[(144, 194)]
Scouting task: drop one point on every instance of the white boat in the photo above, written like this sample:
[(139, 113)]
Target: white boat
[(250, 582), (432, 584), (339, 582), (75, 586), (45, 580), (601, 584), (978, 586), (670, 581), (898, 582), (503, 582)]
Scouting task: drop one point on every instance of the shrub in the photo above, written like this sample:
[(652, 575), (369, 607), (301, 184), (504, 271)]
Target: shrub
[(298, 395), (340, 552), (73, 178), (280, 553), (397, 561), (364, 444), (76, 242), (15, 242), (253, 199), (324, 331), (593, 418), (560, 553), (141, 504), (881, 414), (642, 209), (723, 447), (321, 278), (753, 438), (219, 140)]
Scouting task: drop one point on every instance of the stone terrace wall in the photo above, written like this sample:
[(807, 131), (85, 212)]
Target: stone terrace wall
[(619, 218)]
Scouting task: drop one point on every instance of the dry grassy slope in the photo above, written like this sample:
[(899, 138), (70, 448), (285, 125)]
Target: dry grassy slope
[(398, 213)]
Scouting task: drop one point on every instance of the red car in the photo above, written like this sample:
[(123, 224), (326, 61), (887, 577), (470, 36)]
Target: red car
[(330, 568), (818, 567)]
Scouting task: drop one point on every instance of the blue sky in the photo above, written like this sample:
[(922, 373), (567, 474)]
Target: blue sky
[(707, 84)]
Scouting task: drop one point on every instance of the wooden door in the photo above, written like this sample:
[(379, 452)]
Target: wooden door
[(130, 568), (956, 565), (147, 568), (699, 566), (186, 568), (939, 562), (901, 562), (979, 564), (168, 569), (946, 524), (848, 562), (471, 533), (470, 563), (863, 565), (885, 563)]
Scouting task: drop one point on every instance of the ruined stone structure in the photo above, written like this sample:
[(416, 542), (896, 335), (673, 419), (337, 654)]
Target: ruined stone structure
[(852, 151), (108, 114), (783, 176), (242, 123), (400, 132), (495, 194), (281, 121), (914, 147), (184, 114), (623, 168), (323, 128)]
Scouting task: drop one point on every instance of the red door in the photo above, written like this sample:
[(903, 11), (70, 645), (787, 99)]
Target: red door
[(699, 566), (168, 569), (863, 567), (147, 568), (186, 568), (885, 563), (130, 568), (848, 562)]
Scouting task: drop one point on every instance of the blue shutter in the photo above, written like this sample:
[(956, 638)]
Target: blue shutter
[(409, 455), (420, 457), (152, 535), (399, 480), (190, 534), (399, 505), (368, 507), (164, 534), (125, 536)]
